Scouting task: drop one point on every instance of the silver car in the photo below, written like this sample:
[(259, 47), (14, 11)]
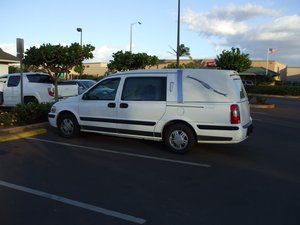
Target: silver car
[(83, 84)]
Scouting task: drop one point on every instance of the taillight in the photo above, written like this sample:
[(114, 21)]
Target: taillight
[(51, 91), (235, 117)]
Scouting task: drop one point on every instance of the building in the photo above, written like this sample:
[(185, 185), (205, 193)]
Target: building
[(280, 71), (293, 74), (97, 69), (277, 67), (5, 60)]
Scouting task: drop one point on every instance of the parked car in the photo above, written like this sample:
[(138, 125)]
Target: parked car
[(178, 107), (83, 84), (37, 87), (248, 82)]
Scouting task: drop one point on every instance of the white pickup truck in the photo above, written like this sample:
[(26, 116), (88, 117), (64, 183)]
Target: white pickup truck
[(37, 87)]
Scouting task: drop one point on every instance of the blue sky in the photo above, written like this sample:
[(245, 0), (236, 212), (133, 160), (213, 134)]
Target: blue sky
[(207, 27)]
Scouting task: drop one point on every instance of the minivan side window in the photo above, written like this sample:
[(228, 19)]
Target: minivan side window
[(144, 89), (105, 90), (240, 88), (13, 81)]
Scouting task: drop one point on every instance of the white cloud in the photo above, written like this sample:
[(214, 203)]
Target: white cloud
[(244, 12), (101, 54), (233, 26), (104, 53), (211, 25)]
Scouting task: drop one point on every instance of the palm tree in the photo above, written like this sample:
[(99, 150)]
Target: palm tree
[(183, 51)]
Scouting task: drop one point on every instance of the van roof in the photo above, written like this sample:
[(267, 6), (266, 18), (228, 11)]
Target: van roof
[(174, 71)]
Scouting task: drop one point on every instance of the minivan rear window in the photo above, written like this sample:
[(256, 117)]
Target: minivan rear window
[(144, 89)]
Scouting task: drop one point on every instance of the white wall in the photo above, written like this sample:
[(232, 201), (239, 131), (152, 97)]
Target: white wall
[(3, 69)]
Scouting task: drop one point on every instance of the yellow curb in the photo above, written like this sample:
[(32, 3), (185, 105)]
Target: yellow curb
[(22, 135)]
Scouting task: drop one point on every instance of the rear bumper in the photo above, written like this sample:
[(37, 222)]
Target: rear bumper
[(223, 134), (249, 127)]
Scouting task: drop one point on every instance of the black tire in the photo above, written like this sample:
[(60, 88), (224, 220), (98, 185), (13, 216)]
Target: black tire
[(179, 138), (67, 125), (30, 99)]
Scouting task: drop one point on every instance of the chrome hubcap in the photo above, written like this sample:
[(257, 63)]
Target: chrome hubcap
[(67, 126), (178, 139)]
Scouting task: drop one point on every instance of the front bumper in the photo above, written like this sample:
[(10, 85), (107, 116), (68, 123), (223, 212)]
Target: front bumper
[(52, 119)]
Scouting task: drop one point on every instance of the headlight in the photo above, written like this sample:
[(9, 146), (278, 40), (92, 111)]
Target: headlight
[(53, 109)]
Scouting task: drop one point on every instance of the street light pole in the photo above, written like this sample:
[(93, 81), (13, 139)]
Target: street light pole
[(178, 35), (80, 30), (131, 25)]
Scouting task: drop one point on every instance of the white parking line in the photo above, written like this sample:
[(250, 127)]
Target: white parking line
[(74, 203), (124, 153)]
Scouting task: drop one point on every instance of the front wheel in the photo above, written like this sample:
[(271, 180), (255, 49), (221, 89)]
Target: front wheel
[(179, 138), (67, 125)]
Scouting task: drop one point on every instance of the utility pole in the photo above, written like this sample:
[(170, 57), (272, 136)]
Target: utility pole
[(81, 67), (178, 35), (20, 55)]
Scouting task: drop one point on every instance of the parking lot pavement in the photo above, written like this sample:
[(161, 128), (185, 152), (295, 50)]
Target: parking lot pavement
[(254, 182)]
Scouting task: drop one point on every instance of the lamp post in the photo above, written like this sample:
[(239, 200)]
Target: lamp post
[(80, 30), (131, 25)]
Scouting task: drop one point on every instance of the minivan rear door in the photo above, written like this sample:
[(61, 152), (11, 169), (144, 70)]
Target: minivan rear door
[(243, 100), (142, 104)]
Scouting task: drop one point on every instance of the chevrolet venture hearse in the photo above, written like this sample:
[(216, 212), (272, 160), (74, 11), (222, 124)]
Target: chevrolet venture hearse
[(178, 107)]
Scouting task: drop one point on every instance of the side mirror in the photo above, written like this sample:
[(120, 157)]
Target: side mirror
[(85, 96)]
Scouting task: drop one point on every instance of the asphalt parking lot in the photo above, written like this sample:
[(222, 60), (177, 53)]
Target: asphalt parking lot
[(97, 179)]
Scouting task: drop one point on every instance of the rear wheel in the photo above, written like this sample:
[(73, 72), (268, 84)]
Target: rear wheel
[(179, 138), (30, 99), (67, 125)]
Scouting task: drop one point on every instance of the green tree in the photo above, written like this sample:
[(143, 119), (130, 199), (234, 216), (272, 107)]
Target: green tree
[(123, 61), (79, 68), (13, 69), (233, 60), (57, 59)]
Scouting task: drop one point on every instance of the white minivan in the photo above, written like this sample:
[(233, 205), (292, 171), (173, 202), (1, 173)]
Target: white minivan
[(177, 106)]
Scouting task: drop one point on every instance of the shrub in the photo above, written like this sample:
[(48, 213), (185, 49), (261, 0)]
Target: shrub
[(274, 90), (31, 113), (7, 119)]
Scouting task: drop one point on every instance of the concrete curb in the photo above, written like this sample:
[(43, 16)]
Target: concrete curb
[(275, 96), (262, 106), (20, 135), (19, 129)]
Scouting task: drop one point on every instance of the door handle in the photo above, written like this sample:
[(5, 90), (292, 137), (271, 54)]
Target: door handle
[(123, 105), (111, 105)]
